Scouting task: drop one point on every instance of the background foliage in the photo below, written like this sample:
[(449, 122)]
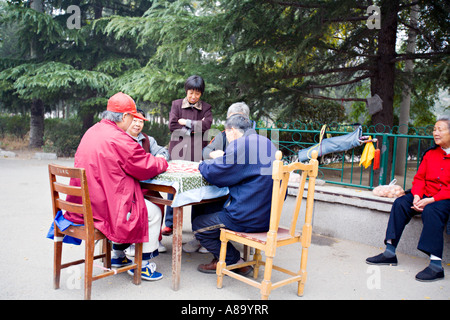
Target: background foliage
[(303, 60)]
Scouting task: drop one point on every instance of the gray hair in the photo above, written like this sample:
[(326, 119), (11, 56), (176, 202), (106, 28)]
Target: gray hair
[(240, 108), (238, 122), (444, 118), (112, 116)]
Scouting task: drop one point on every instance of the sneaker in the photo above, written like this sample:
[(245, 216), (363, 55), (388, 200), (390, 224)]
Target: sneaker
[(428, 275), (166, 231), (192, 246), (203, 250), (120, 262), (161, 248), (148, 272), (381, 259)]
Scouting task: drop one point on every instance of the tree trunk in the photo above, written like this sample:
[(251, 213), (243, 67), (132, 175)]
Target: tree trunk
[(37, 124), (87, 113), (37, 106), (383, 81), (406, 94)]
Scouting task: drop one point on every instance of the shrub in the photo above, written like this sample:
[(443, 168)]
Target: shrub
[(159, 131), (16, 125), (62, 136)]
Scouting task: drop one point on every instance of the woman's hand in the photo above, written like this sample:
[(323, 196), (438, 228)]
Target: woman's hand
[(419, 204), (182, 122)]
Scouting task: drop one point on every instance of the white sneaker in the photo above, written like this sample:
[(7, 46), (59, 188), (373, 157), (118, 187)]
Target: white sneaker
[(203, 250), (161, 248), (191, 246)]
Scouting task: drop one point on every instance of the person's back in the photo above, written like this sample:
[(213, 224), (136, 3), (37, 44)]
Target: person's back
[(245, 168), (114, 165), (246, 171)]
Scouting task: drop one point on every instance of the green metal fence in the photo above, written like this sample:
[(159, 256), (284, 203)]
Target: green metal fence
[(343, 168)]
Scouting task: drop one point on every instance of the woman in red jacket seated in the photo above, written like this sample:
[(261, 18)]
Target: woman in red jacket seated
[(430, 196)]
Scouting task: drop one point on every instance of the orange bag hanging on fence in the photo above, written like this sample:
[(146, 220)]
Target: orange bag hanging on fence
[(376, 159)]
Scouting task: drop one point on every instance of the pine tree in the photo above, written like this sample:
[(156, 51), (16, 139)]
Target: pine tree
[(55, 63), (275, 54)]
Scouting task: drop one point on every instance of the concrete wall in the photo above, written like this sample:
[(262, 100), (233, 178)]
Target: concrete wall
[(356, 215)]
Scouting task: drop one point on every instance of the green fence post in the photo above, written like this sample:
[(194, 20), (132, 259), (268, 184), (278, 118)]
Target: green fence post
[(384, 160)]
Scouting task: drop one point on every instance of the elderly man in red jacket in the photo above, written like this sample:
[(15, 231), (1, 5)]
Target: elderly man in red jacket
[(114, 165)]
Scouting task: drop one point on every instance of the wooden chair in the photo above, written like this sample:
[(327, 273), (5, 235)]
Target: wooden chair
[(86, 232), (276, 236)]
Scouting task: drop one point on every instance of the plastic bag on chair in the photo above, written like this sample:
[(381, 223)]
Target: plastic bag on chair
[(63, 224)]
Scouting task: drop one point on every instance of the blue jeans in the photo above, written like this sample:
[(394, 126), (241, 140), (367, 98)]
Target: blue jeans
[(434, 217), (207, 230)]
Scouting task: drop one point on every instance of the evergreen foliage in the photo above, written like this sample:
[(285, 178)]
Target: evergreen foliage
[(287, 60)]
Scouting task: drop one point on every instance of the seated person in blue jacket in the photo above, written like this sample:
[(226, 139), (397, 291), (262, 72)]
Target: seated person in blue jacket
[(245, 168), (216, 148)]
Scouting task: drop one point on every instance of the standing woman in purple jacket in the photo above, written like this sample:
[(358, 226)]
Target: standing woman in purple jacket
[(189, 119)]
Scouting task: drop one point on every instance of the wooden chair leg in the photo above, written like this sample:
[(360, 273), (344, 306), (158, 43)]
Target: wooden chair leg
[(266, 284), (106, 250), (138, 260), (257, 257), (221, 264), (88, 268), (303, 272), (57, 256)]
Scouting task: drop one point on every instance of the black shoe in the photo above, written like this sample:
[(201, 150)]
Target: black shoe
[(381, 259), (428, 275)]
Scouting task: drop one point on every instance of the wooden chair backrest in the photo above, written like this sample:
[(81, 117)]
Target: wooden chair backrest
[(280, 175), (82, 192)]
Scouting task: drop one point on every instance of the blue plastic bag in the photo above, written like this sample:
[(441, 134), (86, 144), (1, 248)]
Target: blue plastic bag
[(63, 224)]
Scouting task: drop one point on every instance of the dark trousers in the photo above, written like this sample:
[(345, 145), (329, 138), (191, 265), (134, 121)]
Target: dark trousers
[(169, 213), (206, 228), (195, 211), (434, 218)]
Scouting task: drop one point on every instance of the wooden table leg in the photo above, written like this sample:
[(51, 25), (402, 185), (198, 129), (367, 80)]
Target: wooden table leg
[(177, 246)]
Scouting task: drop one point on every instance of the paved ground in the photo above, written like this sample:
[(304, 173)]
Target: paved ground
[(337, 268)]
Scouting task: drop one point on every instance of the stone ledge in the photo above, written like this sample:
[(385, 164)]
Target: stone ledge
[(347, 196), (7, 154), (45, 156)]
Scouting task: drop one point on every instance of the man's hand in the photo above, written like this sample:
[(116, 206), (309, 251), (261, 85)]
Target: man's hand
[(216, 154)]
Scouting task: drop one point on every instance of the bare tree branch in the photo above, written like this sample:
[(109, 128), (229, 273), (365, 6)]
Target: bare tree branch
[(333, 70), (340, 83), (310, 6), (333, 99), (409, 56)]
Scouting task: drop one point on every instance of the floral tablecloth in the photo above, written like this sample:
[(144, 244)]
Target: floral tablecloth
[(190, 185)]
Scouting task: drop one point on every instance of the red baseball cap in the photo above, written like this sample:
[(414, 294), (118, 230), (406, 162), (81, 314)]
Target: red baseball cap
[(123, 103)]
